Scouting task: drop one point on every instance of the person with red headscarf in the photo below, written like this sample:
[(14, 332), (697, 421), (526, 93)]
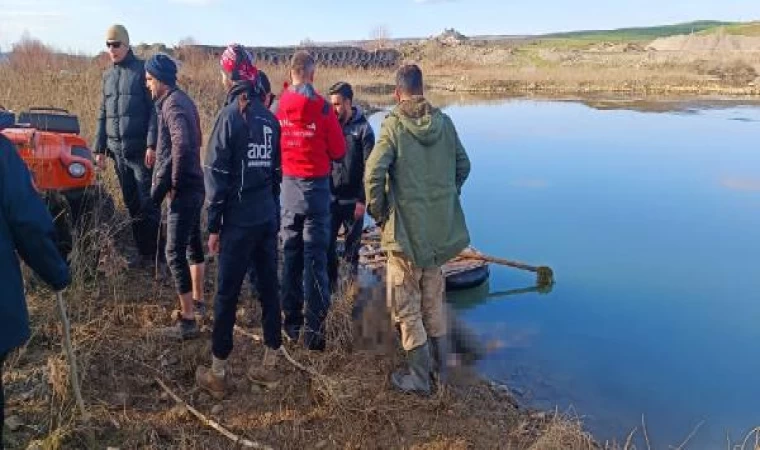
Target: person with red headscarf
[(242, 173)]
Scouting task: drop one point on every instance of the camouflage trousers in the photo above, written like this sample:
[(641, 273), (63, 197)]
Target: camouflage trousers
[(415, 299)]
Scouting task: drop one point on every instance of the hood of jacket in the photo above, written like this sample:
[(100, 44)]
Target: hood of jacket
[(240, 87), (421, 119)]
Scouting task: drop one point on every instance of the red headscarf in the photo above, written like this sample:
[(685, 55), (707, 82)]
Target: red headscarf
[(239, 63)]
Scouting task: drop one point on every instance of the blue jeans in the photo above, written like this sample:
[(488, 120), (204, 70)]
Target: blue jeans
[(305, 228), (135, 180), (183, 239), (239, 249)]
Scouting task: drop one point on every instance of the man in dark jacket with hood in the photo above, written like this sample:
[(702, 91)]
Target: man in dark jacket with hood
[(26, 230), (348, 204), (242, 172), (178, 176), (126, 131)]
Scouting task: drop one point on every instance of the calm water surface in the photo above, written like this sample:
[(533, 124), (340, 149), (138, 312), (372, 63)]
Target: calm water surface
[(651, 222)]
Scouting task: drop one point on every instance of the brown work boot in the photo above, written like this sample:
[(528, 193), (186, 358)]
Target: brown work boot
[(266, 374), (206, 379)]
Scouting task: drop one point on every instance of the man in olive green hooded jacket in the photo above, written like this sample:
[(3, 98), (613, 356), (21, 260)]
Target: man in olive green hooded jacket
[(413, 179)]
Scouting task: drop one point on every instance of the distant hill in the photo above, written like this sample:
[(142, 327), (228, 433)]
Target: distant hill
[(645, 33), (3, 57), (743, 29), (620, 34)]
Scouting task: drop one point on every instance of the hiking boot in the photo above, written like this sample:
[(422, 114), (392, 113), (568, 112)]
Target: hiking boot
[(417, 378), (265, 374), (439, 350), (205, 379), (184, 329)]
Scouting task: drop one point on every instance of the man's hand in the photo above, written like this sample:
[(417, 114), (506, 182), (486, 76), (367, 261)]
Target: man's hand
[(359, 211), (150, 158), (213, 243), (100, 161)]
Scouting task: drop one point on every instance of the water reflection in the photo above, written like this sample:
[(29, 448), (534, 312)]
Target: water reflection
[(463, 300), (652, 218)]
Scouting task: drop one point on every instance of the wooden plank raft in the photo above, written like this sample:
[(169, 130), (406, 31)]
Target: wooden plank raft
[(372, 257)]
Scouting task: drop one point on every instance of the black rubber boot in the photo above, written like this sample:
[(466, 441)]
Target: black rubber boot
[(417, 378), (439, 349)]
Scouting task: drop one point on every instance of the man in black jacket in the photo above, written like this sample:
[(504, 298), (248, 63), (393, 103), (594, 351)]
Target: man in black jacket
[(26, 230), (179, 177), (126, 131), (348, 204), (242, 172)]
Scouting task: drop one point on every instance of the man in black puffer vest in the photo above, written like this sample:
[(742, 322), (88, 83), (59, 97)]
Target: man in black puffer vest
[(242, 172), (347, 182), (126, 131)]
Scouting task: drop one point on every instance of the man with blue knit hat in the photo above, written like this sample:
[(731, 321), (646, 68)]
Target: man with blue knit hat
[(178, 176), (242, 171)]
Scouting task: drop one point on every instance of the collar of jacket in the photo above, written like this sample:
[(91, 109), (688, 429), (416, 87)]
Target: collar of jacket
[(127, 59), (305, 89), (160, 101), (238, 88), (357, 115)]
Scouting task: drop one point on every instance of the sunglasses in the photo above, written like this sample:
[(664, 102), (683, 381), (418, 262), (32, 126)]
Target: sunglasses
[(113, 44)]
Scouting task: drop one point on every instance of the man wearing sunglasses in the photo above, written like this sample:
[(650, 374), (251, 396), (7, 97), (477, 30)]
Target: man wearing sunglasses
[(126, 132)]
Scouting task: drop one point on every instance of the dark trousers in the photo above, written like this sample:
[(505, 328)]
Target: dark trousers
[(252, 270), (305, 243), (135, 180), (183, 239), (305, 232), (239, 249), (343, 214)]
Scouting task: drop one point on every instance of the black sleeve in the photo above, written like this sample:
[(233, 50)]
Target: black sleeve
[(29, 221), (217, 170), (368, 143), (100, 132)]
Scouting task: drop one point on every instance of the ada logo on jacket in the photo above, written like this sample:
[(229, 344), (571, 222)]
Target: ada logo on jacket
[(260, 155)]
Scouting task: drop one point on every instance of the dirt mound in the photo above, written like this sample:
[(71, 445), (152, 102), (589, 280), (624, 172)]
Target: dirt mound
[(451, 36), (713, 43)]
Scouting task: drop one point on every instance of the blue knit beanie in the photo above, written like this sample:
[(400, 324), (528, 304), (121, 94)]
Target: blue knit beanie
[(162, 68)]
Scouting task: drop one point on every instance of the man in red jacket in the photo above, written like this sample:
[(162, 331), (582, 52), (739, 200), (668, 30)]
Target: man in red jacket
[(311, 139)]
